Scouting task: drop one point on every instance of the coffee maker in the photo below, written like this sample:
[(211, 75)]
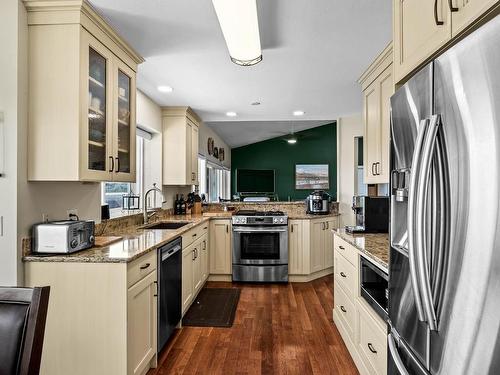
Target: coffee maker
[(372, 214)]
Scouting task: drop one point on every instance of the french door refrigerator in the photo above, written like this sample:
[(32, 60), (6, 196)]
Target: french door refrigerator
[(444, 283)]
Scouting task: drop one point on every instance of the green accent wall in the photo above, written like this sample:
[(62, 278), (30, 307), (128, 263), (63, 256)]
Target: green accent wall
[(314, 146)]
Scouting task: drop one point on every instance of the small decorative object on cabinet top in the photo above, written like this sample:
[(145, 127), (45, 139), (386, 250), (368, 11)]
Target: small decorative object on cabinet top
[(221, 154), (216, 152), (210, 145)]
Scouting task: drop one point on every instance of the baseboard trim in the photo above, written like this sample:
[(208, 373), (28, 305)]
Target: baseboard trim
[(310, 277), (227, 278)]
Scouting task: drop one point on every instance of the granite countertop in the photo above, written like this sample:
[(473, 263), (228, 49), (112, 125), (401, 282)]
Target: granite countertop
[(136, 242), (374, 246)]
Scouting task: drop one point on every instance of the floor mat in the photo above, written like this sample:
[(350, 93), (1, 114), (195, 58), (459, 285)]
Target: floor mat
[(214, 307)]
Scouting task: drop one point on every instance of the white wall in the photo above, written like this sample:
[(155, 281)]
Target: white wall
[(348, 128), (205, 133)]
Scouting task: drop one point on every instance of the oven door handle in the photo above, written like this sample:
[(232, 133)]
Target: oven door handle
[(260, 229)]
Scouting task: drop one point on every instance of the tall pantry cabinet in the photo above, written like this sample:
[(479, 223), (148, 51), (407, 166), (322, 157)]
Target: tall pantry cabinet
[(82, 97)]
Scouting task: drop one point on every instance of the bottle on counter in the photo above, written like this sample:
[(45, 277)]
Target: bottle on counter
[(176, 205), (182, 205)]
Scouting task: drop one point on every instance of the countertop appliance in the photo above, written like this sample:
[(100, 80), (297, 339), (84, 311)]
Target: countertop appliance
[(62, 237), (260, 246), (444, 283), (318, 203), (169, 289), (374, 286), (372, 214)]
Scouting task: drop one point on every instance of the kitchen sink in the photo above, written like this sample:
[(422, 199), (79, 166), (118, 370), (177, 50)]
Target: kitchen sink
[(168, 225)]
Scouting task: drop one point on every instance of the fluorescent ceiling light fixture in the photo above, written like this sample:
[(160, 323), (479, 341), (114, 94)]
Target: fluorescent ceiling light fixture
[(298, 113), (292, 141), (231, 114), (240, 27), (165, 89)]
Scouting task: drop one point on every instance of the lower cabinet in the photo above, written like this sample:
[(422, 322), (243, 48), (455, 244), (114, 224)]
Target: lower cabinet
[(220, 247), (310, 247), (142, 323), (110, 307), (194, 266), (363, 331)]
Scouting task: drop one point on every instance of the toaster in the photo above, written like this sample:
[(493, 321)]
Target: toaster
[(62, 237)]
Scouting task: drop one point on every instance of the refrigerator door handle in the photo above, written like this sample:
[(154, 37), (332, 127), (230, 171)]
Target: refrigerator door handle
[(414, 173), (395, 355), (420, 235)]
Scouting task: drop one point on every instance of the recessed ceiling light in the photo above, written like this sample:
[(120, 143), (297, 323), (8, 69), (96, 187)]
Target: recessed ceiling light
[(292, 141), (298, 113), (165, 89), (231, 114), (255, 103)]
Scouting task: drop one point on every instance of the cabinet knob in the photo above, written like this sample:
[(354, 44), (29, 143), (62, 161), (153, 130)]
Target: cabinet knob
[(341, 247), (145, 266), (343, 309), (343, 274)]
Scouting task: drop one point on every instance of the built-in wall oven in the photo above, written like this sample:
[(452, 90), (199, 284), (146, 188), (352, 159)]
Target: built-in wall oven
[(374, 287), (260, 246)]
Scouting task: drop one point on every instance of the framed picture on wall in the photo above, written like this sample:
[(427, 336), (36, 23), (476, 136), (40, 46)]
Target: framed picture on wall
[(312, 176)]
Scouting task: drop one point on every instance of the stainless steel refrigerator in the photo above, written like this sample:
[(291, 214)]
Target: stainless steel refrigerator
[(444, 282)]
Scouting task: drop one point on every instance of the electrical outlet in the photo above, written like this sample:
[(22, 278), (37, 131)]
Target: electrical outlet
[(45, 218), (72, 214)]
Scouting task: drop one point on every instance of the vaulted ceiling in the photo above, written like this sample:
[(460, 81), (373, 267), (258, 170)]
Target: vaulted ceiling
[(313, 53)]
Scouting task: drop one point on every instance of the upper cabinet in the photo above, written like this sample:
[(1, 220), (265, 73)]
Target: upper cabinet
[(422, 27), (82, 79), (180, 146), (378, 86)]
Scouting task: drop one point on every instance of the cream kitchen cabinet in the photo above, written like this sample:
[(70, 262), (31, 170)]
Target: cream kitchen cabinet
[(204, 256), (464, 12), (363, 331), (110, 307), (378, 87), (180, 146), (82, 97), (220, 247), (142, 324), (187, 292), (422, 27), (310, 248)]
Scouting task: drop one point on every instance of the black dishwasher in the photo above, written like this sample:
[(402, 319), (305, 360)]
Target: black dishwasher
[(169, 289)]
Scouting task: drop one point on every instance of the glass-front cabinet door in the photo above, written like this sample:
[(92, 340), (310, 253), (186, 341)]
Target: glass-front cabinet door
[(96, 135), (124, 124)]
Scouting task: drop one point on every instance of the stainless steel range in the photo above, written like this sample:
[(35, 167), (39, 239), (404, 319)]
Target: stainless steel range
[(260, 246)]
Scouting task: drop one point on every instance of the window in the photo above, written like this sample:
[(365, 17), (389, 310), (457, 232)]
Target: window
[(215, 180), (112, 192)]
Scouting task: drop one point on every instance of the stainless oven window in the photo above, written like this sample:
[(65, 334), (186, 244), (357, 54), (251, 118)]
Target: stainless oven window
[(260, 246)]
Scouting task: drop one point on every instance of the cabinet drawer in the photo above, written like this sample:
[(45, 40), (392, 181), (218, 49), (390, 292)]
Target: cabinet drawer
[(345, 309), (346, 249), (345, 275), (372, 343), (141, 267), (194, 234)]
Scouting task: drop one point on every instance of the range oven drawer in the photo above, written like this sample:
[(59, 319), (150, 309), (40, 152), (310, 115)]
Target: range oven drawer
[(274, 274)]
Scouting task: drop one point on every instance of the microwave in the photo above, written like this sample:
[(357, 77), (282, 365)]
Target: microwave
[(374, 287)]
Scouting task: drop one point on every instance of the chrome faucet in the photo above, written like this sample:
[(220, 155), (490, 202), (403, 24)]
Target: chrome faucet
[(152, 212)]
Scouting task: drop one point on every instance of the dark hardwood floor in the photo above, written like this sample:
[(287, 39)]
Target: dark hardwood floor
[(278, 329)]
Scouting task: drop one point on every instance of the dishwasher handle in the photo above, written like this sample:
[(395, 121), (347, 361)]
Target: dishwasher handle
[(167, 252)]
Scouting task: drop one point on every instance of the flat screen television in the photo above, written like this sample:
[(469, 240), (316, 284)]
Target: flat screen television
[(255, 180)]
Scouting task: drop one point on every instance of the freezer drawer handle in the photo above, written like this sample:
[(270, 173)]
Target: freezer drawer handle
[(343, 274), (395, 355), (343, 309), (371, 347)]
